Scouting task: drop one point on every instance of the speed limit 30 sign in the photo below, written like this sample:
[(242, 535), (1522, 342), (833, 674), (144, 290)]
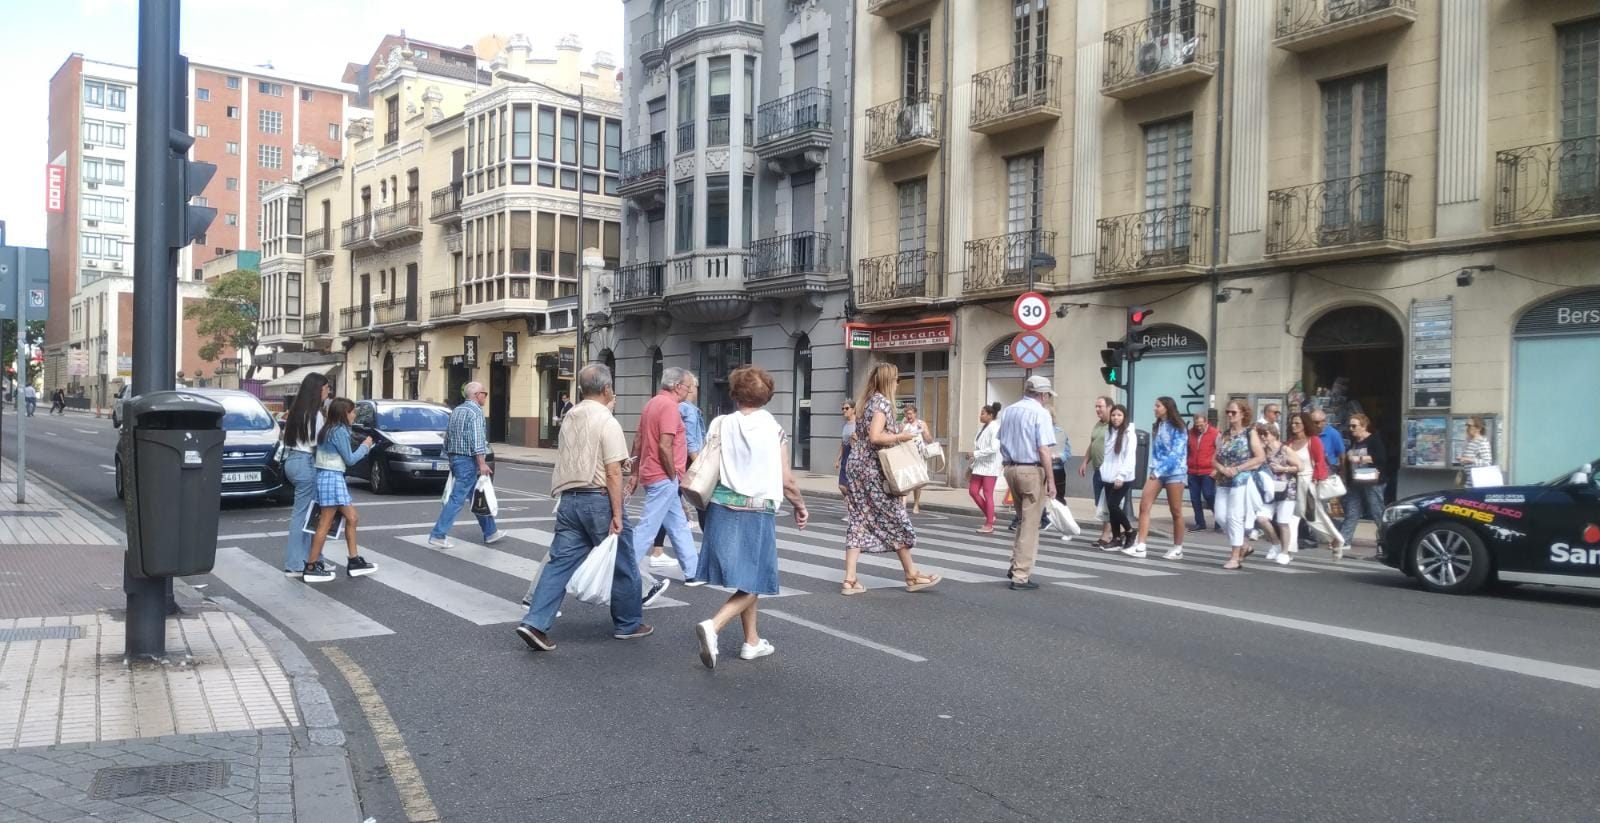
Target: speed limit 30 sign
[(1031, 311)]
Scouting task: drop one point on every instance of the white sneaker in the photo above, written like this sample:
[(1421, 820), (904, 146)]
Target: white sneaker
[(662, 561), (1136, 550), (760, 649), (1284, 558), (494, 538), (441, 543), (1255, 534), (1272, 553), (1175, 554), (706, 633)]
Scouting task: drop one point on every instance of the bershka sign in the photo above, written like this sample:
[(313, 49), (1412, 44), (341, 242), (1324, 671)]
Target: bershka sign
[(55, 188), (1575, 313)]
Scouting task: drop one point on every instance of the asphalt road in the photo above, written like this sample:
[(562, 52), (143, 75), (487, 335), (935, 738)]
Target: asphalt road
[(1121, 690)]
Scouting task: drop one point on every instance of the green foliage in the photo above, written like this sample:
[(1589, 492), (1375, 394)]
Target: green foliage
[(227, 316), (8, 346)]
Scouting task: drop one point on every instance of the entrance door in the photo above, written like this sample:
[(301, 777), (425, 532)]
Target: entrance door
[(411, 291), (456, 377), (1354, 360), (550, 407), (801, 443), (499, 401), (366, 300), (388, 377)]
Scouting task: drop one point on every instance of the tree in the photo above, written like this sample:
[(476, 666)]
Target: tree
[(8, 346), (227, 315)]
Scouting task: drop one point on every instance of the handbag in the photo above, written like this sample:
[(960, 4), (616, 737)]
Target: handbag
[(904, 469), (700, 479), (934, 454), (1365, 475), (1330, 488)]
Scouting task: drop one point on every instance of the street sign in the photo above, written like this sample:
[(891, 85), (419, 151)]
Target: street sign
[(1029, 349), (55, 188), (37, 296), (1031, 311)]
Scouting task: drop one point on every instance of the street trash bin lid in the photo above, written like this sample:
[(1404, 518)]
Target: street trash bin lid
[(177, 409)]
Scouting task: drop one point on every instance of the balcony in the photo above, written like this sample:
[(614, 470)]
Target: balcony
[(1551, 185), (509, 295), (319, 245), (790, 265), (904, 128), (398, 223), (892, 8), (708, 286), (644, 175), (398, 314), (356, 233), (446, 204), (686, 137), (1348, 217), (640, 289), (1002, 264), (355, 321), (315, 330), (902, 280), (1306, 25), (444, 305), (793, 132), (689, 18), (651, 54), (281, 331), (1172, 240), (1168, 49), (1018, 94)]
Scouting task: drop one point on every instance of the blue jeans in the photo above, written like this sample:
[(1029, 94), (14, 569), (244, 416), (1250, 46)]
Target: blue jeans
[(582, 522), (465, 471), (1202, 496), (32, 404), (1361, 501), (663, 508), (301, 469)]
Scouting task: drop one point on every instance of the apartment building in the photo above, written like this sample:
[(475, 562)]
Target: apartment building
[(735, 178), (446, 246), (253, 125), (1375, 205)]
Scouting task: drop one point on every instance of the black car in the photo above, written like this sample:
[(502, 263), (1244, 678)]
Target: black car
[(250, 468), (1456, 541), (407, 444)]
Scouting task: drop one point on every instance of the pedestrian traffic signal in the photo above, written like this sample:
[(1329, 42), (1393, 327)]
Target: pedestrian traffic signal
[(1111, 355), (1138, 316)]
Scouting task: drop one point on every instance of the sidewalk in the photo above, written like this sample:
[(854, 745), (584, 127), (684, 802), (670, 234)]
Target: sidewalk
[(231, 726)]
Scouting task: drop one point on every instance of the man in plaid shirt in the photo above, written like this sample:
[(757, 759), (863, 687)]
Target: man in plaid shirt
[(466, 446)]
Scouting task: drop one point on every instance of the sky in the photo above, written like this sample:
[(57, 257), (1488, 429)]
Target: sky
[(309, 40)]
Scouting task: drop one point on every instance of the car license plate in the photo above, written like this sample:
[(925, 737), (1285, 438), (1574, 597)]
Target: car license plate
[(241, 477), (440, 465)]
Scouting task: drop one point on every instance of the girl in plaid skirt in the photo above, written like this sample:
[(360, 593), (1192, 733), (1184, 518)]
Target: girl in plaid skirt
[(333, 496)]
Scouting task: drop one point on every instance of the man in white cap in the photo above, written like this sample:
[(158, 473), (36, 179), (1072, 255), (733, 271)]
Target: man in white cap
[(1026, 437)]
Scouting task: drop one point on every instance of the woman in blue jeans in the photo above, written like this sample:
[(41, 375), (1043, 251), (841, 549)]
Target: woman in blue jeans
[(300, 430), (1366, 459)]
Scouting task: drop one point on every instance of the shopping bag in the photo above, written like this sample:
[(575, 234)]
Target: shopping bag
[(904, 470), (313, 517), (484, 503), (591, 583), (700, 480), (934, 454), (1061, 518), (449, 486), (1487, 476), (1330, 487)]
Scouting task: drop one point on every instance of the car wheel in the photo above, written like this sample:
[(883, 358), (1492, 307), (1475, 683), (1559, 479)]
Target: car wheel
[(118, 473), (1449, 559), (378, 478)]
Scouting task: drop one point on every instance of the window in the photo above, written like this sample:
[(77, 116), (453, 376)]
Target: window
[(306, 95), (521, 132), (591, 142), (1354, 144), (613, 145), (521, 242), (202, 93), (913, 202), (749, 101), (1577, 186), (333, 132), (114, 172), (202, 130), (94, 94), (233, 82), (103, 209), (232, 184), (116, 98), (914, 51), (232, 147), (273, 89), (1030, 41), (201, 201), (721, 89), (1024, 207), (233, 112), (683, 216), (547, 134), (717, 359), (294, 224), (271, 122), (269, 157), (230, 219), (391, 122), (749, 210), (100, 246), (101, 133), (262, 186), (569, 138), (1168, 159), (686, 109), (717, 211)]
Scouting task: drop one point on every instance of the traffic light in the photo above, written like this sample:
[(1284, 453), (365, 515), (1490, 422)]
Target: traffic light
[(1111, 355), (1138, 316), (189, 178)]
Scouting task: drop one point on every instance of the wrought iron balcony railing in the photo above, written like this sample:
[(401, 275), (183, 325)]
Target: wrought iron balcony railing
[(644, 163), (354, 318), (395, 311), (907, 275), (316, 324), (803, 252), (685, 137), (318, 243), (397, 219), (356, 230), (1182, 35), (685, 16), (1365, 208), (1017, 90), (1154, 239), (444, 303), (1003, 262), (446, 202), (895, 128), (1299, 17), (802, 111), (391, 135), (718, 130), (641, 281), (1550, 181)]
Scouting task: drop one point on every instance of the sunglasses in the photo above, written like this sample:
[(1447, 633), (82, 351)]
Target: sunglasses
[(1232, 412)]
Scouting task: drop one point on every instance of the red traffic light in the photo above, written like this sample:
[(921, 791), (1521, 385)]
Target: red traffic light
[(1139, 315)]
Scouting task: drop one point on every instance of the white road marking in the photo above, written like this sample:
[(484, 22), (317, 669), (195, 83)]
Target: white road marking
[(1119, 568), (1560, 672), (314, 616), (374, 528), (403, 771), (459, 599), (853, 638), (51, 434), (86, 431), (996, 575)]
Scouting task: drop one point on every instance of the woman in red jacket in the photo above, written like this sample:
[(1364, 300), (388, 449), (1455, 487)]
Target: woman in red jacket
[(1202, 489)]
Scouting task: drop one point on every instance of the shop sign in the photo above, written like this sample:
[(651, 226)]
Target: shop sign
[(859, 339), (1170, 339), (508, 347), (1432, 351), (1577, 313), (469, 351), (927, 334), (422, 355), (566, 361)]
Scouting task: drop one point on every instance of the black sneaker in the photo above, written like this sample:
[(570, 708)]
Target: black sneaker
[(317, 572), (654, 593), (1023, 585), (359, 566)]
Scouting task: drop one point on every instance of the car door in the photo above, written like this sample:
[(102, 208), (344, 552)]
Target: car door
[(366, 425), (1566, 526)]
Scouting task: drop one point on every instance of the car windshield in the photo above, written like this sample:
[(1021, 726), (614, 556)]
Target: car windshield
[(244, 414), (413, 419), (1565, 477)]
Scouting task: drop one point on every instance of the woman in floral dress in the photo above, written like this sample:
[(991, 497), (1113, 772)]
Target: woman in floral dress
[(877, 519)]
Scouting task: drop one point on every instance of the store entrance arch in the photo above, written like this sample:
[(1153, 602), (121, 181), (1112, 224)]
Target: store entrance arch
[(1353, 361)]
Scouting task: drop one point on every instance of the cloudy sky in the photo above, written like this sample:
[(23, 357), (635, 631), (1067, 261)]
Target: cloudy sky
[(302, 39)]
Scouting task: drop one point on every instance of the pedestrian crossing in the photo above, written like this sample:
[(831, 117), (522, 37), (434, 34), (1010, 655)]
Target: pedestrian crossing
[(813, 558)]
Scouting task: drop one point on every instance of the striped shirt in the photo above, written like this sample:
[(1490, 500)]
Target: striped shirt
[(467, 433), (1025, 426)]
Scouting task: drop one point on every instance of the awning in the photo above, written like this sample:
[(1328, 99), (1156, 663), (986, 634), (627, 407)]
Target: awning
[(290, 382)]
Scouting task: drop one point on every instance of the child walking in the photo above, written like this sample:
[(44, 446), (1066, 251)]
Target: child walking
[(333, 496)]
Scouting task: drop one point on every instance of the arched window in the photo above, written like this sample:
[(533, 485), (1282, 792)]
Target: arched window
[(609, 358)]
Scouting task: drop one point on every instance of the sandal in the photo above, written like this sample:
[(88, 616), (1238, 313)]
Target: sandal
[(985, 530), (852, 587), (918, 582), (1233, 565)]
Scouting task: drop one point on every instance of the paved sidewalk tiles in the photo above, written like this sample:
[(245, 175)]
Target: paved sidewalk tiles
[(46, 519)]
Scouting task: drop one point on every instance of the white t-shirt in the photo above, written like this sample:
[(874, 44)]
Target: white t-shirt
[(310, 448)]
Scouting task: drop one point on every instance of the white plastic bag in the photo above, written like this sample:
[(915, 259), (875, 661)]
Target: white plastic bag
[(591, 583), (449, 485), (1061, 518), (486, 488)]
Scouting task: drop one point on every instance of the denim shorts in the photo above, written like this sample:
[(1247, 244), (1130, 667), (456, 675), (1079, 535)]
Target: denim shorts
[(1175, 480)]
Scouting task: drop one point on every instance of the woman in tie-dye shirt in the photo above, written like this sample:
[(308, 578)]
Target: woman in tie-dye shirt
[(1169, 470)]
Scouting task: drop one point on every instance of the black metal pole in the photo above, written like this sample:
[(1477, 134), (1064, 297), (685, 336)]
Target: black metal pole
[(155, 264), (581, 357)]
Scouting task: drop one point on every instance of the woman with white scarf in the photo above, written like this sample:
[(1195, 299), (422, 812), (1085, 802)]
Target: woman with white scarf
[(740, 547)]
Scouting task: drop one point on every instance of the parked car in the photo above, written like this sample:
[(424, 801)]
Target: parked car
[(1457, 541), (249, 465), (407, 444), (116, 408)]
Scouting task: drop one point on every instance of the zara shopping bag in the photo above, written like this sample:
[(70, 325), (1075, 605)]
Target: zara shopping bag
[(904, 468), (591, 583)]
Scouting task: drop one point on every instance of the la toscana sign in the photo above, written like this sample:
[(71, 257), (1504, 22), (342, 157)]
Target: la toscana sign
[(936, 333)]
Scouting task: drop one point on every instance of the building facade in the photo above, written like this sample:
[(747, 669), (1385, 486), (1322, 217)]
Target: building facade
[(1367, 205), (252, 125), (735, 178), (446, 247)]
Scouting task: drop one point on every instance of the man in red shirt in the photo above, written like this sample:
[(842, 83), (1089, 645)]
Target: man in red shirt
[(662, 448), (1202, 450)]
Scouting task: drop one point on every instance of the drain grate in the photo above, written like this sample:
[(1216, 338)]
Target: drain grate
[(41, 633), (18, 513), (172, 778)]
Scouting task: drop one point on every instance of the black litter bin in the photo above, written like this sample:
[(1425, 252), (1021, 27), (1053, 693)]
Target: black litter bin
[(171, 449)]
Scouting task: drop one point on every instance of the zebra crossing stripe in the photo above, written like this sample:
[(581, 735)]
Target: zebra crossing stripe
[(307, 612), (996, 573), (464, 601), (522, 568), (1118, 568)]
